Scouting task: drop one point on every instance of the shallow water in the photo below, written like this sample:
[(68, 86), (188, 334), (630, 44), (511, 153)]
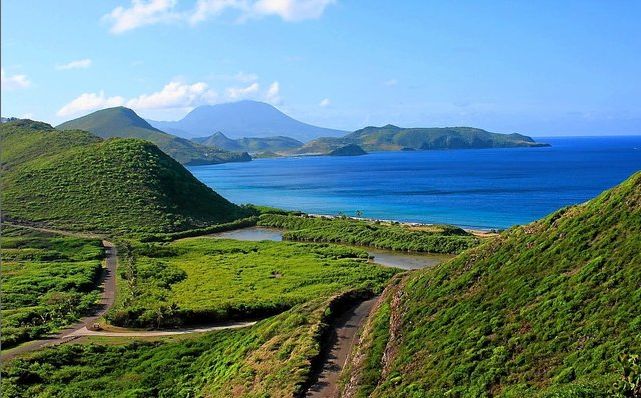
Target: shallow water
[(388, 258), (481, 188)]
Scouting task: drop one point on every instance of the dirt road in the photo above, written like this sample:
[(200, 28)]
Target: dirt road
[(346, 329)]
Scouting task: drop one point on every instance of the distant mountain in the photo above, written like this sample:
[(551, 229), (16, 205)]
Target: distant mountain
[(243, 119), (393, 138), (124, 122), (73, 180), (348, 150), (252, 145)]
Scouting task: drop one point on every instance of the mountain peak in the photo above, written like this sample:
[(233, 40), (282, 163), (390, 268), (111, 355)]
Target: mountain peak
[(246, 118)]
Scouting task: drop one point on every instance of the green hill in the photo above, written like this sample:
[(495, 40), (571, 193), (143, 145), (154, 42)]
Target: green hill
[(125, 185), (250, 144), (542, 310), (393, 138), (348, 150), (124, 122)]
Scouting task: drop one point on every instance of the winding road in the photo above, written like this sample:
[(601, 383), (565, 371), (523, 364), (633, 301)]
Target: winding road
[(107, 299)]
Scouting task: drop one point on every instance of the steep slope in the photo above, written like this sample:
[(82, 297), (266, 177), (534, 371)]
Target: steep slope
[(393, 138), (542, 310), (243, 119), (252, 145), (125, 185), (124, 122)]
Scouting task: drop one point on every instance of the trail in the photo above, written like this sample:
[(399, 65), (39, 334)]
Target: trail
[(346, 328), (107, 299)]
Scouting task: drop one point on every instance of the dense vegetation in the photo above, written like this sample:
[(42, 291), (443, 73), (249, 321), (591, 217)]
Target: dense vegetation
[(393, 138), (543, 310), (433, 239), (48, 281), (125, 123), (124, 185), (348, 150), (249, 144), (200, 280), (271, 359)]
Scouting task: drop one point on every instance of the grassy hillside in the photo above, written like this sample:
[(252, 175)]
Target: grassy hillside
[(393, 138), (48, 281), (543, 310), (252, 144), (206, 280), (433, 239), (123, 122), (125, 185), (348, 150)]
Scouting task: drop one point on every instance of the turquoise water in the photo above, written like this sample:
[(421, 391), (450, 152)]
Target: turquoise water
[(484, 188)]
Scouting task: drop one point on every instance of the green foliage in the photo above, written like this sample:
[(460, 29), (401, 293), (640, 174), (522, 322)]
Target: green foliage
[(118, 185), (435, 239), (251, 145), (200, 280), (272, 358), (47, 282), (125, 123), (630, 384), (542, 310)]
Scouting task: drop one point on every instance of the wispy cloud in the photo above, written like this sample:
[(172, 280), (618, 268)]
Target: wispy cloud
[(325, 102), (13, 82), (79, 64), (390, 82), (89, 102), (273, 94), (141, 13)]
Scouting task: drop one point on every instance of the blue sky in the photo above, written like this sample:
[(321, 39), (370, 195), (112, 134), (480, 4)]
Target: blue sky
[(540, 68)]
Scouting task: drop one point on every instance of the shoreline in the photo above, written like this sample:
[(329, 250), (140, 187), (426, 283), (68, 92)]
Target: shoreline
[(474, 231)]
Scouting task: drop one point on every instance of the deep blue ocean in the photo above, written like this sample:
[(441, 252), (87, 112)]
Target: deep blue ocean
[(480, 188)]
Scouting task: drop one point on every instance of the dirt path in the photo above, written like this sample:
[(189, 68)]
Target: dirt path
[(154, 333), (346, 329)]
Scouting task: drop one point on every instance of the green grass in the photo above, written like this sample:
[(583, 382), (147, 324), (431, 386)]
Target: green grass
[(542, 310), (271, 359), (48, 282), (435, 239), (124, 186), (199, 280), (125, 123)]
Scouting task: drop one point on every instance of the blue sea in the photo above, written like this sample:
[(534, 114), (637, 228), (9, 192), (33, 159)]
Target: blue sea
[(480, 188)]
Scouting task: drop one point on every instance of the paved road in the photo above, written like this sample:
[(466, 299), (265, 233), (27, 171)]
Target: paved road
[(347, 326)]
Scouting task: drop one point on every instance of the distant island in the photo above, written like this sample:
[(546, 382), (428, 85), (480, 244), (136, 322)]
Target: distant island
[(250, 144), (393, 138), (348, 150)]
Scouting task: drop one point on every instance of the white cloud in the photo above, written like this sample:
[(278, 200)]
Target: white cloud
[(273, 94), (175, 95), (291, 10), (79, 64), (325, 103), (141, 13), (391, 82), (13, 82), (89, 102), (149, 12), (237, 93)]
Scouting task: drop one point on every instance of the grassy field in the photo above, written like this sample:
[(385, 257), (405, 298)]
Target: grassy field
[(271, 359), (543, 310), (435, 239), (48, 281), (199, 280), (125, 186)]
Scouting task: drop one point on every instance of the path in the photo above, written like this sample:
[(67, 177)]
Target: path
[(346, 328), (155, 333)]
